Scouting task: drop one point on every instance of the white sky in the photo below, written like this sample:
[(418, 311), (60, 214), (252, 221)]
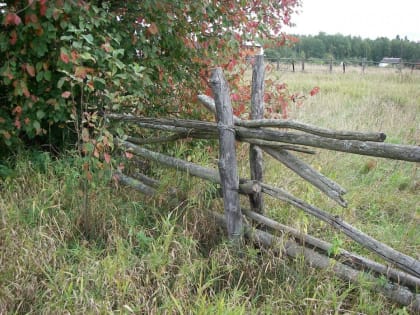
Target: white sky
[(364, 18)]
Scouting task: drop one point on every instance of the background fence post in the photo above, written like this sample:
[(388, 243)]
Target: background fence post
[(257, 112), (227, 156)]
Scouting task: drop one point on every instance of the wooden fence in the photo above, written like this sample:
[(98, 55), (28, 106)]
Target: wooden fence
[(403, 271)]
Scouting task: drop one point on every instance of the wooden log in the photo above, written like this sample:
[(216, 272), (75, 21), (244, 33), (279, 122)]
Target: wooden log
[(136, 184), (396, 293), (348, 258), (327, 186), (257, 112), (152, 140), (404, 262), (146, 179), (245, 187), (208, 102), (272, 144), (322, 132), (227, 155), (387, 150)]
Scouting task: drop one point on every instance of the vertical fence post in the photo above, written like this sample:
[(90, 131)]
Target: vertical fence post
[(303, 65), (257, 112), (228, 169)]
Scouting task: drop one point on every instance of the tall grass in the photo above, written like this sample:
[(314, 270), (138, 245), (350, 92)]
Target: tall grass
[(137, 255)]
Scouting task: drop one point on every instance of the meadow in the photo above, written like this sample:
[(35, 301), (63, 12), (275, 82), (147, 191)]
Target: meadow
[(135, 255)]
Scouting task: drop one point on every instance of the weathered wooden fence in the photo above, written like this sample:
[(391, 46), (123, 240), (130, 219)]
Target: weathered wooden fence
[(403, 271)]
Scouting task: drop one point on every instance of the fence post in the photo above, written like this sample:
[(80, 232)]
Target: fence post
[(257, 112), (227, 156), (303, 65)]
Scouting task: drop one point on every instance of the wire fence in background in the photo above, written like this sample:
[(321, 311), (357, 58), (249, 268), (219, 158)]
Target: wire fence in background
[(337, 66)]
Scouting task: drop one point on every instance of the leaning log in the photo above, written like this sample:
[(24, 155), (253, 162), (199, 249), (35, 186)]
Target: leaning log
[(404, 262), (345, 257), (245, 187), (396, 293), (227, 155), (136, 184), (323, 183)]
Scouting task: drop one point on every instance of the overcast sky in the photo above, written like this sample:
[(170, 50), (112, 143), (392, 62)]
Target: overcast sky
[(364, 18)]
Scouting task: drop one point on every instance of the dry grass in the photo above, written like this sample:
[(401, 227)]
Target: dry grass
[(158, 256)]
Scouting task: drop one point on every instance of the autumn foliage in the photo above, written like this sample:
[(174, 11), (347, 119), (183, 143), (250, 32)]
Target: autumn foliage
[(63, 61)]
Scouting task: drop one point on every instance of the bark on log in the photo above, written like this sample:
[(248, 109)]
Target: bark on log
[(136, 184), (394, 292), (227, 156), (146, 179), (152, 140), (392, 151), (208, 102), (276, 145), (257, 112), (327, 186), (404, 262), (322, 132), (348, 258), (245, 187)]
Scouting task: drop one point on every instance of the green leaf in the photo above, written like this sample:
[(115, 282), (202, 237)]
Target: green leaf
[(40, 114), (87, 56), (66, 37), (36, 124), (77, 44), (60, 82), (88, 38), (47, 75), (39, 76)]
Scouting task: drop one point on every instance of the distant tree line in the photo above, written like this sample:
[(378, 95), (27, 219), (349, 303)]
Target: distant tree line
[(340, 47)]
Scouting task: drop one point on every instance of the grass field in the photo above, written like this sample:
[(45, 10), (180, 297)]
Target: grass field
[(134, 255)]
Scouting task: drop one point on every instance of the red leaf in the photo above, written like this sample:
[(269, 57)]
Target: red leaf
[(17, 124), (30, 69), (13, 37), (12, 19), (65, 94), (26, 91), (239, 110), (17, 110), (64, 57), (107, 157), (31, 18), (152, 29), (235, 97), (42, 7), (314, 91)]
